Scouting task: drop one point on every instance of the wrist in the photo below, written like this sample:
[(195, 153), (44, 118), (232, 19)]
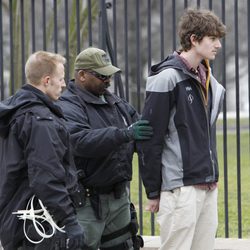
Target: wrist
[(153, 195), (128, 134)]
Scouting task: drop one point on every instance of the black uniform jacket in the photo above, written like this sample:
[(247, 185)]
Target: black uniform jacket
[(101, 148), (35, 159)]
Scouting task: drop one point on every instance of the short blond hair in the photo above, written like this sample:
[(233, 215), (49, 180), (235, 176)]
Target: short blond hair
[(40, 64)]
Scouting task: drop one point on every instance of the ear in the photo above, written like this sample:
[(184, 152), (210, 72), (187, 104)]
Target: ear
[(45, 81), (193, 39), (81, 75)]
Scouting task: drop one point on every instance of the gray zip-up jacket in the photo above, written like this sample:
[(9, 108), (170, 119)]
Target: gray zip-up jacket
[(182, 150)]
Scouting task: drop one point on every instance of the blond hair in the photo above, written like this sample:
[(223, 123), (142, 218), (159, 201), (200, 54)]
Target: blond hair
[(40, 64)]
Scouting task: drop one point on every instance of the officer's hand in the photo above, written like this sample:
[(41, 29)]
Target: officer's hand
[(75, 236), (140, 130), (72, 239)]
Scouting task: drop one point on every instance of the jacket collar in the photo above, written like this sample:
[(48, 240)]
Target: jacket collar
[(44, 99), (89, 97)]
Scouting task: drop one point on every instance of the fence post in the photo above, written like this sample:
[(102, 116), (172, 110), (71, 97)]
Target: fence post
[(1, 55), (102, 26)]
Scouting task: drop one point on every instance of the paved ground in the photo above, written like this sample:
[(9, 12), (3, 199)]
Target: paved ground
[(153, 242), (232, 244)]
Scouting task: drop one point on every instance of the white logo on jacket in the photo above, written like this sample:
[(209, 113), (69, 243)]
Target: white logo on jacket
[(190, 98)]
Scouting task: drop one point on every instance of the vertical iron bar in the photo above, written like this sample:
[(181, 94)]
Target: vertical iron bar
[(185, 4), (55, 27), (78, 28), (138, 76), (211, 62), (90, 22), (110, 49), (114, 32), (225, 125), (237, 117), (115, 42), (149, 35), (210, 8), (149, 66), (102, 32), (22, 41), (126, 49), (66, 16), (33, 24), (248, 43), (1, 53), (11, 48), (210, 4), (198, 4), (138, 54), (162, 28), (44, 25), (174, 24)]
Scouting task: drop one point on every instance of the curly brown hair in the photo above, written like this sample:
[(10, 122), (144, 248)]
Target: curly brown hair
[(199, 23)]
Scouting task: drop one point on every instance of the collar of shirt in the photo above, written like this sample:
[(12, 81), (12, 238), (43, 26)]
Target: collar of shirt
[(201, 70)]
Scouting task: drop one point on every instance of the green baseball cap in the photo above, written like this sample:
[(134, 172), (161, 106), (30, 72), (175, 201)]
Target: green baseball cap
[(96, 60)]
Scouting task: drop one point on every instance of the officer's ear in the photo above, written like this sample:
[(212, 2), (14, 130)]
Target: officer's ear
[(81, 74), (45, 81)]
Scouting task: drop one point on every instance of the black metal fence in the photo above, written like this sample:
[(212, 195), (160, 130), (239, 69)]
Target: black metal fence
[(136, 34)]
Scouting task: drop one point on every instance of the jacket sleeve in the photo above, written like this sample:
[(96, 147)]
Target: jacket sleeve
[(46, 153), (158, 104), (86, 140), (129, 111)]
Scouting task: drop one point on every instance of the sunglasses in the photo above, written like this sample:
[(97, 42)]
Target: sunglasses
[(99, 76)]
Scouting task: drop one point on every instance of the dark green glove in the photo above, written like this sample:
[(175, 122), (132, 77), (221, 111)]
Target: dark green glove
[(140, 130)]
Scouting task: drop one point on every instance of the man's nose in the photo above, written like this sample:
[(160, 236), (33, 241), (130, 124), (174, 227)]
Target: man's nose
[(218, 44), (63, 84), (107, 80)]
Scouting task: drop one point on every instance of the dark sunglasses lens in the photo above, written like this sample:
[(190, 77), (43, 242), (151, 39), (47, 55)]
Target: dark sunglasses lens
[(99, 76), (102, 77), (105, 78)]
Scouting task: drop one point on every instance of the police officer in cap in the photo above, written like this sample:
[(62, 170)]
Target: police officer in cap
[(103, 130)]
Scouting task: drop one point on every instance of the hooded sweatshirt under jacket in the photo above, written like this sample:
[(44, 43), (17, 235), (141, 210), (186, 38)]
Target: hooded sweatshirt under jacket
[(182, 150), (35, 159)]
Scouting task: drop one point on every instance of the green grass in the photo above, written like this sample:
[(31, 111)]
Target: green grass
[(232, 188), (231, 122), (232, 185)]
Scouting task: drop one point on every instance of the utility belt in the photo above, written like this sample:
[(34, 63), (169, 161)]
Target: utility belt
[(117, 189), (93, 193)]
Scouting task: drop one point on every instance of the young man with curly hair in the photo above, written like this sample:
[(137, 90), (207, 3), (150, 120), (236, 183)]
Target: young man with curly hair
[(179, 164)]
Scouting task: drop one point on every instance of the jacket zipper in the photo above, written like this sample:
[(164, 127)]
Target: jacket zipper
[(208, 131)]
